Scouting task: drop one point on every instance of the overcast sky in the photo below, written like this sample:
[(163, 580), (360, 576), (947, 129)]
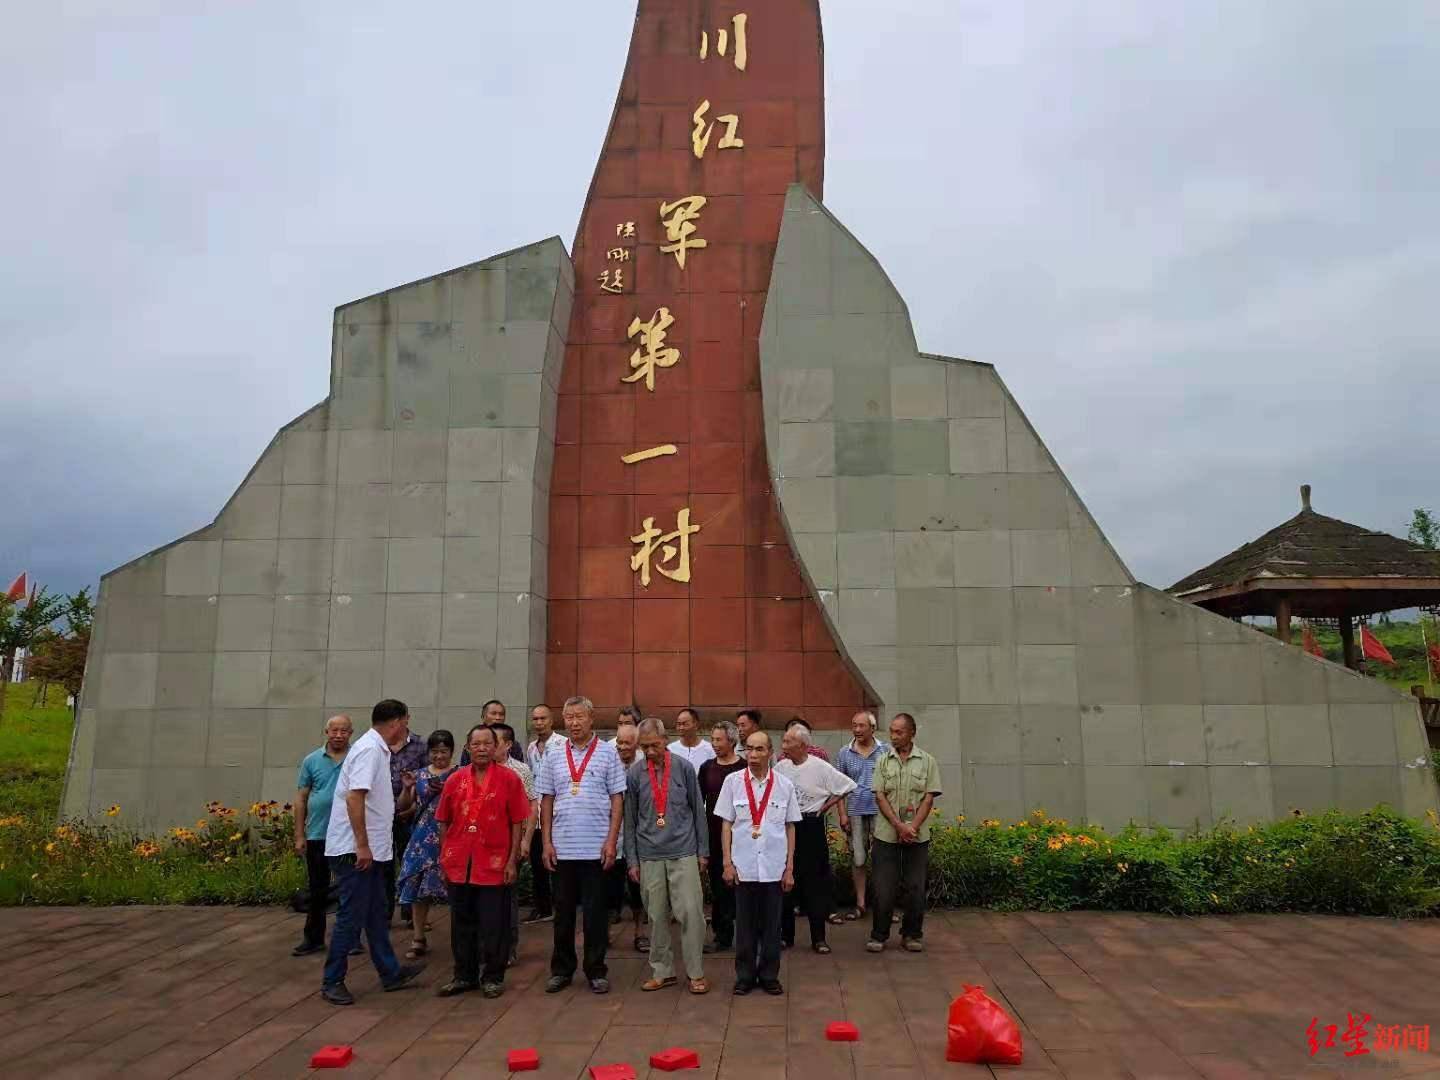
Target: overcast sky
[(1200, 240)]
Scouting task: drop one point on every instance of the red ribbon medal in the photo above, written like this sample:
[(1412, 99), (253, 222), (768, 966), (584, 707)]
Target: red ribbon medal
[(576, 775), (757, 813), (659, 790)]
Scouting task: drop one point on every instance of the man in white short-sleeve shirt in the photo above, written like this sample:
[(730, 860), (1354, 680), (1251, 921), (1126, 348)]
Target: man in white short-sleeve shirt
[(581, 787), (758, 809), (819, 786), (359, 844), (690, 745)]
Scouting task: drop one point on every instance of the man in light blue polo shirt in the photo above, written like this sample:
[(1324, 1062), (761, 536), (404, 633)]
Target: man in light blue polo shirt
[(858, 811), (581, 784), (319, 770)]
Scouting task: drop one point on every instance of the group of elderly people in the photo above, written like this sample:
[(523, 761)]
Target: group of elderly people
[(638, 818)]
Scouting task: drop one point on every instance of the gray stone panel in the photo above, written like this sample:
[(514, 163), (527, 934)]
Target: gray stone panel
[(374, 532)]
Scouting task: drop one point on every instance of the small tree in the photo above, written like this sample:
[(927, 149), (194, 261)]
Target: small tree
[(1424, 529), (20, 627), (58, 658)]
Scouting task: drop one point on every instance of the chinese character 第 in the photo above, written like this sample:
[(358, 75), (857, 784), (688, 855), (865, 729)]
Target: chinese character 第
[(653, 352)]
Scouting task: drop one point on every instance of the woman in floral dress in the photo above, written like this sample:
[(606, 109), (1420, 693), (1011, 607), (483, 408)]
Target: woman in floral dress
[(421, 883)]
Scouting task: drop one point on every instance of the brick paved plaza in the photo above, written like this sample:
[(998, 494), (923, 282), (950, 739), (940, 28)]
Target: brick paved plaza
[(214, 993)]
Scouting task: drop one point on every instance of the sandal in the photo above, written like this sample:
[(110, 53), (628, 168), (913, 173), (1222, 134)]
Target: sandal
[(821, 948), (642, 943), (418, 948), (699, 986), (835, 919), (854, 914), (650, 985)]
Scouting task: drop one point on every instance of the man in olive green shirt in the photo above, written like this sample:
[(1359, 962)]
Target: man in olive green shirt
[(906, 783)]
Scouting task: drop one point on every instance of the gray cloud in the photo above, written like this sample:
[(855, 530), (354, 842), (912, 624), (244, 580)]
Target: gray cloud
[(1199, 240)]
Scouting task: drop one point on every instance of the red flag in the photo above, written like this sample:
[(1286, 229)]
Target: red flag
[(1310, 644), (1435, 659), (18, 588), (1373, 650)]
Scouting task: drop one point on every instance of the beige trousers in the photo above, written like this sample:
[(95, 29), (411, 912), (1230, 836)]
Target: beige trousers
[(672, 886)]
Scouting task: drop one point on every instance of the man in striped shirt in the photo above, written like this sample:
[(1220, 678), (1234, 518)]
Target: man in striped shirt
[(857, 812), (581, 787)]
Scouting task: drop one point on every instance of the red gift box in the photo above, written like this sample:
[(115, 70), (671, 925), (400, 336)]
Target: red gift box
[(612, 1072), (332, 1057), (842, 1031), (675, 1059), (522, 1060)]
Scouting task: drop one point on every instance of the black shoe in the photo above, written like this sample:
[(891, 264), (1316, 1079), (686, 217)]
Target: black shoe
[(408, 973), (742, 988), (600, 986), (492, 990), (536, 915), (514, 958), (305, 948), (786, 945), (455, 986), (709, 948), (773, 987), (357, 949), (556, 983), (337, 994)]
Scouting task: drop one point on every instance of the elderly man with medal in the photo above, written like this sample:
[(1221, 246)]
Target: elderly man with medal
[(667, 845), (481, 820), (758, 809)]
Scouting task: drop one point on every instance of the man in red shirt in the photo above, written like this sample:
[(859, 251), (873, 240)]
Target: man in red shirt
[(481, 819)]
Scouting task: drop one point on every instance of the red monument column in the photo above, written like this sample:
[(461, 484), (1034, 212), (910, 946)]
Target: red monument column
[(671, 580)]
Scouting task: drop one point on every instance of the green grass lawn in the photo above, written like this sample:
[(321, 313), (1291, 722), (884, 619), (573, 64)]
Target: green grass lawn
[(34, 750)]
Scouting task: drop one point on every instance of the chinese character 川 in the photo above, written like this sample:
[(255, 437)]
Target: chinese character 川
[(700, 137), (678, 218), (650, 537), (652, 352), (722, 41)]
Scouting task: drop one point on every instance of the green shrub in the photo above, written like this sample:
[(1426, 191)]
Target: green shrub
[(1375, 863)]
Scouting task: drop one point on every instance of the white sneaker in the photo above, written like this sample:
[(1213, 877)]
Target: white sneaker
[(874, 946)]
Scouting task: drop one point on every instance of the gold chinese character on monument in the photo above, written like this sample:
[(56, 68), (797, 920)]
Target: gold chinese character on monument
[(612, 281), (650, 538), (722, 41), (618, 254), (652, 353), (678, 217), (700, 137), (625, 228), (647, 455)]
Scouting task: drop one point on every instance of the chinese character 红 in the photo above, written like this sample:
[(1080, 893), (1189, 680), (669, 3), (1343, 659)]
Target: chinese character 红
[(612, 284), (678, 217), (1311, 1035), (650, 538), (700, 137), (722, 41), (652, 352)]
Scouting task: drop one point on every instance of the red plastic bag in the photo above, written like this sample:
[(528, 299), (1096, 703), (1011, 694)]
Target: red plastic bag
[(980, 1031)]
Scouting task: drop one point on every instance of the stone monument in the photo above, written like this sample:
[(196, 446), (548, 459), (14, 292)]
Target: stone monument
[(700, 461)]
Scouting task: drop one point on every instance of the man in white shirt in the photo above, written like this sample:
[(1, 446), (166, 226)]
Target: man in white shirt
[(542, 722), (758, 809), (690, 745), (818, 787), (360, 846)]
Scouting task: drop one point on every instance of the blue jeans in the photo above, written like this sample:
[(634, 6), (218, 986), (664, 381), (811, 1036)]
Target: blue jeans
[(363, 906)]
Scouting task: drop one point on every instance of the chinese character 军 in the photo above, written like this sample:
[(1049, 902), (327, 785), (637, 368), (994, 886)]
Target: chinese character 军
[(652, 353), (1355, 1033), (650, 537), (618, 254), (700, 137), (625, 228), (678, 218), (722, 41), (612, 284)]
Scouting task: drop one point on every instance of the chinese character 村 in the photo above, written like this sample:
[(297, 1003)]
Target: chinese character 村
[(652, 353), (678, 217), (722, 41), (700, 137), (650, 538)]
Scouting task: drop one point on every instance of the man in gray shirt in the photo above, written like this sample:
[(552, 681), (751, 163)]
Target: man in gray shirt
[(667, 844)]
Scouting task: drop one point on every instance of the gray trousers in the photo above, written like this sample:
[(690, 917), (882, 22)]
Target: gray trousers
[(672, 886)]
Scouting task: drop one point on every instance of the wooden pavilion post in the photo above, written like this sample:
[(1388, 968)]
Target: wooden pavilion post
[(1282, 618), (1347, 640)]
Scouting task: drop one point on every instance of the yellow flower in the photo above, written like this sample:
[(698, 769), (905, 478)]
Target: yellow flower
[(12, 820), (202, 823), (147, 848), (227, 858), (1038, 814), (114, 810), (1214, 899), (50, 848), (1016, 860), (989, 823), (1055, 843), (960, 819), (1122, 867), (237, 836), (34, 876)]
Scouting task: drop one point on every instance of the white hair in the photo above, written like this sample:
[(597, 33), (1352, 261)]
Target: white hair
[(579, 702), (652, 725), (801, 732)]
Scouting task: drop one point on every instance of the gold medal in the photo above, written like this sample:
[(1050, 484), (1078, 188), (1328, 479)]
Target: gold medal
[(660, 822), (575, 788), (755, 834)]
